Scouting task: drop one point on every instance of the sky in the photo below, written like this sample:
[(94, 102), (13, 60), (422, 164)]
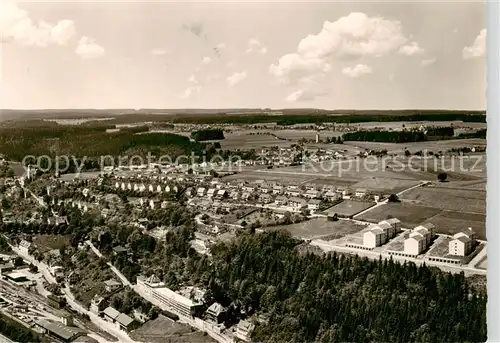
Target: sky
[(330, 55)]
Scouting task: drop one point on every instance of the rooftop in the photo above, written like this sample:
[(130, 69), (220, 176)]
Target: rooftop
[(66, 332)]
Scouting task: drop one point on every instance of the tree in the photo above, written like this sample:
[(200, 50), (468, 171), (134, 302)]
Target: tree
[(393, 198), (18, 261), (442, 177), (407, 153)]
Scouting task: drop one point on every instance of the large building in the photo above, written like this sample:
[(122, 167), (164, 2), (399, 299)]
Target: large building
[(184, 304), (420, 238), (462, 243)]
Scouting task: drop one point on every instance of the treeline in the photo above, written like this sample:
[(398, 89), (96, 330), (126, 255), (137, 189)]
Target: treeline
[(16, 332), (207, 135), (385, 136), (333, 117), (445, 131), (407, 136), (478, 134)]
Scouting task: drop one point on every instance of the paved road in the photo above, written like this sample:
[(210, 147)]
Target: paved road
[(122, 277)]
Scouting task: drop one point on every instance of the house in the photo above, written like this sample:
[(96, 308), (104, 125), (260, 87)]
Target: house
[(119, 250), (278, 189), (467, 233), (24, 247), (265, 199), (112, 285), (460, 246), (97, 304), (332, 195), (59, 331), (200, 191), (234, 195), (244, 330), (245, 196), (361, 192), (297, 203), (389, 231), (249, 189), (56, 220), (216, 313), (221, 194), (124, 322), (415, 244), (281, 200), (312, 194), (374, 237), (428, 230), (6, 267), (394, 222), (110, 314), (211, 192), (313, 204)]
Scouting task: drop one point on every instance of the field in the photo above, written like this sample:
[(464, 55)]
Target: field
[(450, 199), (319, 228), (243, 141), (385, 185), (409, 215), (165, 330), (348, 208)]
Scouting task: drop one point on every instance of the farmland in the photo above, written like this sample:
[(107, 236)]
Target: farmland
[(320, 228), (434, 146), (348, 208)]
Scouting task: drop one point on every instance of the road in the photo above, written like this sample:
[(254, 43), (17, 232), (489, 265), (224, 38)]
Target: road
[(37, 198), (122, 277)]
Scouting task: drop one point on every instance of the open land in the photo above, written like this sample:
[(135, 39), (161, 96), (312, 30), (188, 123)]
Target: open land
[(165, 330), (348, 208), (319, 228)]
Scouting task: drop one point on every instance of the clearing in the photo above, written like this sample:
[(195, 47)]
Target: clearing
[(320, 228)]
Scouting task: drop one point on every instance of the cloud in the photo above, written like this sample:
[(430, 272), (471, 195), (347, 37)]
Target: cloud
[(206, 60), (357, 71), (428, 62), (190, 91), (193, 79), (292, 68), (220, 46), (158, 52), (304, 95), (477, 49), (236, 78), (87, 48), (256, 46), (352, 36), (411, 49), (17, 27)]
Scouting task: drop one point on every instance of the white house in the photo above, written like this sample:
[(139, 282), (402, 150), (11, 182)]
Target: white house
[(460, 246), (361, 192), (428, 230), (281, 200), (394, 222), (297, 203), (374, 237), (211, 192), (414, 244), (200, 191), (314, 204)]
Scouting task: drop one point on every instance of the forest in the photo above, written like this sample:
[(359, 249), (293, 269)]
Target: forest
[(316, 298), (207, 135)]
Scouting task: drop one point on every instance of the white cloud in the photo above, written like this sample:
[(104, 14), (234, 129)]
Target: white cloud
[(190, 91), (256, 46), (193, 79), (236, 78), (292, 68), (158, 52), (206, 60), (357, 71), (354, 35), (478, 48), (220, 46), (411, 49), (87, 48), (17, 27), (304, 95), (428, 62)]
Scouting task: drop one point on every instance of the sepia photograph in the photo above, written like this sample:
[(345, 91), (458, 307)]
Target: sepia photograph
[(261, 172)]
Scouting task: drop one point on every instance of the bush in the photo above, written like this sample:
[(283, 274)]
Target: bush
[(442, 177)]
